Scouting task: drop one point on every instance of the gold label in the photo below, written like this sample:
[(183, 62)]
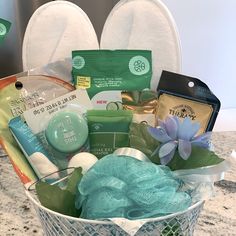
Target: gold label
[(83, 82), (182, 108)]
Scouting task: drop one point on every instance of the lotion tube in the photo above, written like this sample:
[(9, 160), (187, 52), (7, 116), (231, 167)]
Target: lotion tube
[(33, 149)]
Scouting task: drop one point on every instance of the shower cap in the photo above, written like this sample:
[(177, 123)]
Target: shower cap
[(121, 186)]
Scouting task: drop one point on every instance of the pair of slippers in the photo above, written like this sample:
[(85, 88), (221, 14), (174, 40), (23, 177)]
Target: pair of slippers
[(59, 27)]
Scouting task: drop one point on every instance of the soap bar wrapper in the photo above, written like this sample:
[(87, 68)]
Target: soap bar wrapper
[(17, 94), (61, 125), (40, 115), (105, 73), (184, 96)]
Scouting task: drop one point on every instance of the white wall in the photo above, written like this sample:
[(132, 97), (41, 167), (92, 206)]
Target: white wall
[(208, 36)]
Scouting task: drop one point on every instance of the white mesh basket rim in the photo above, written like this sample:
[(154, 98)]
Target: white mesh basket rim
[(38, 205)]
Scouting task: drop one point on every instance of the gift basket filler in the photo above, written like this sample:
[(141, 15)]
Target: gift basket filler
[(110, 139)]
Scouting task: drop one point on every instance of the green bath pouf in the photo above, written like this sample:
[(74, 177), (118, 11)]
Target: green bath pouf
[(121, 186)]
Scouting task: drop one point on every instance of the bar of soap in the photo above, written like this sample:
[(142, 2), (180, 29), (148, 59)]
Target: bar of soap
[(83, 159), (67, 131)]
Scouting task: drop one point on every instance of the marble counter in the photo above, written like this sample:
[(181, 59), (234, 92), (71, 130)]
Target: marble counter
[(17, 216)]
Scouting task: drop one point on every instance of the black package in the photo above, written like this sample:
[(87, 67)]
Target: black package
[(184, 96)]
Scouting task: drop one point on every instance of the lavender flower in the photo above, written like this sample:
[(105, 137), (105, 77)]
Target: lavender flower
[(174, 134)]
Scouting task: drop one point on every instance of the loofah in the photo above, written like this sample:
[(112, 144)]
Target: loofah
[(121, 186)]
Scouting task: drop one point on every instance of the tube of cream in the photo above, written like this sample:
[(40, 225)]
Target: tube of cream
[(33, 150)]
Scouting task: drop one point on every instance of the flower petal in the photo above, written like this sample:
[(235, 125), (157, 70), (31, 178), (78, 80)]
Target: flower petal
[(161, 123), (177, 120), (202, 140), (187, 129), (166, 149), (166, 159), (184, 148), (171, 127), (159, 134)]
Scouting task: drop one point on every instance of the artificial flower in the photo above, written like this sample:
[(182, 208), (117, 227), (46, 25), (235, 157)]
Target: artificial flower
[(176, 134)]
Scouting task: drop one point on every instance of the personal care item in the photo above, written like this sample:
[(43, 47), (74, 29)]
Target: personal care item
[(105, 73), (18, 93), (83, 159), (67, 131), (77, 100), (33, 150), (61, 125), (35, 90), (143, 104), (184, 96), (144, 24), (4, 28), (121, 186), (108, 130)]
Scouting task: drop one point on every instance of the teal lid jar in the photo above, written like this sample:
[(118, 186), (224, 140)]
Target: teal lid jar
[(67, 131)]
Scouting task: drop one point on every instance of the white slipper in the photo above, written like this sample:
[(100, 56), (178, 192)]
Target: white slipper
[(144, 24), (54, 30)]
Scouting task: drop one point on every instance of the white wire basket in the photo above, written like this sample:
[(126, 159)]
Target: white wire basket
[(56, 224)]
